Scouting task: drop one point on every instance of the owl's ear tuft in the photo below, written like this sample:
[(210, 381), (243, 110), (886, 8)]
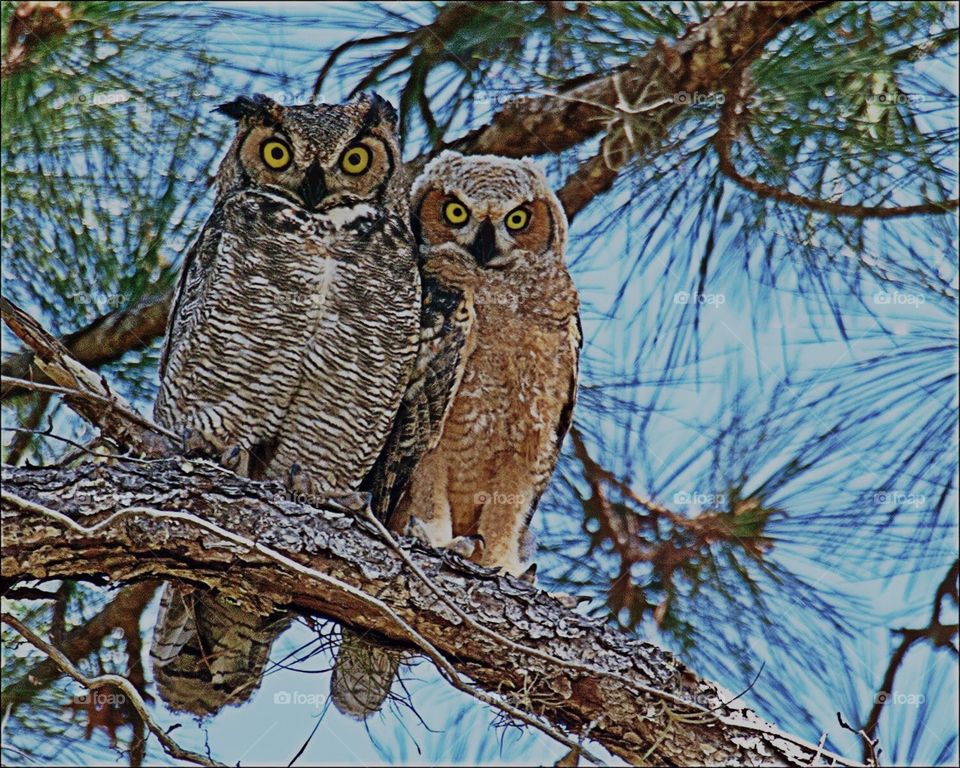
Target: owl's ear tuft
[(260, 107), (381, 111)]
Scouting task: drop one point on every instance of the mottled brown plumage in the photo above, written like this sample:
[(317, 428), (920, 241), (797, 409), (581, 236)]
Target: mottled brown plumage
[(480, 428), (510, 410)]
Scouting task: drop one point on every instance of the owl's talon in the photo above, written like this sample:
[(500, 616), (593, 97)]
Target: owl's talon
[(416, 530), (468, 547), (193, 443), (529, 575), (357, 501), (237, 460), (304, 490), (298, 482)]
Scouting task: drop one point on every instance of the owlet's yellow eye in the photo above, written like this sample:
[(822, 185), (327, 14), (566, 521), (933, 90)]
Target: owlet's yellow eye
[(456, 213), (518, 219), (355, 160), (276, 154)]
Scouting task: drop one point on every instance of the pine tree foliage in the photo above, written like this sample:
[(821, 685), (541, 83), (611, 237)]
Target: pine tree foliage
[(763, 458)]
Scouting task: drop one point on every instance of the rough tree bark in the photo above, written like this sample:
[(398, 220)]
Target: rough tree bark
[(622, 712)]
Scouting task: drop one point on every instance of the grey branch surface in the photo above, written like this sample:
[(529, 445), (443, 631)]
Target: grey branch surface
[(139, 543)]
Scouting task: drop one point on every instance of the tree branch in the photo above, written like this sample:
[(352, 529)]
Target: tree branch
[(938, 634), (85, 392), (155, 520), (113, 681), (732, 115), (636, 105), (80, 642), (696, 63), (663, 77), (103, 341)]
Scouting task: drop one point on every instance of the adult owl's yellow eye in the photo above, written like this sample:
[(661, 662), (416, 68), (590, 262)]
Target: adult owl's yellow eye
[(456, 213), (517, 219), (276, 154), (355, 160)]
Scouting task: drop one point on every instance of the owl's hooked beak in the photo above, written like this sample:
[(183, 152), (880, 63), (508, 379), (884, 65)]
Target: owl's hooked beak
[(484, 245), (313, 188)]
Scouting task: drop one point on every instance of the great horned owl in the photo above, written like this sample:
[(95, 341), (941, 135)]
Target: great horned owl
[(296, 321), (479, 430)]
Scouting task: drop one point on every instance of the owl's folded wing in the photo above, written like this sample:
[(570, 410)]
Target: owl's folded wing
[(192, 288), (575, 336), (446, 321)]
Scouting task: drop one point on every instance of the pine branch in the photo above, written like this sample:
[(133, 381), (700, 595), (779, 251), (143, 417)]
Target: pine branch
[(732, 117), (666, 76), (103, 341), (697, 63), (85, 392), (121, 518)]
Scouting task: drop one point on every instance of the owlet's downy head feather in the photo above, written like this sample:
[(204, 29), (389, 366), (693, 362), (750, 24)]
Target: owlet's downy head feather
[(498, 213)]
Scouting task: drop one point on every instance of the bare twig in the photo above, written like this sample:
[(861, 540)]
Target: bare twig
[(28, 427), (91, 683), (940, 635), (79, 642), (124, 411)]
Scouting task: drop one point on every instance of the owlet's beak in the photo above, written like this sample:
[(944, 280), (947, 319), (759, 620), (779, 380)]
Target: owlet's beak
[(484, 245)]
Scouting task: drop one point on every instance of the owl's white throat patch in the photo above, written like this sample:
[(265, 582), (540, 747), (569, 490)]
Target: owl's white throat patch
[(344, 215)]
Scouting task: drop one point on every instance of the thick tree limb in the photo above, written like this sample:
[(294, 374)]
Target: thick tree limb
[(694, 64), (675, 727)]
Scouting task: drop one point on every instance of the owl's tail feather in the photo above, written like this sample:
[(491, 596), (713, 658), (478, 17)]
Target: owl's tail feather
[(363, 675), (208, 653)]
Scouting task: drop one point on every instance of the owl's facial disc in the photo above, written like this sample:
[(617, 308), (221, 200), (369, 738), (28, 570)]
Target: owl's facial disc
[(319, 156), (490, 233)]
